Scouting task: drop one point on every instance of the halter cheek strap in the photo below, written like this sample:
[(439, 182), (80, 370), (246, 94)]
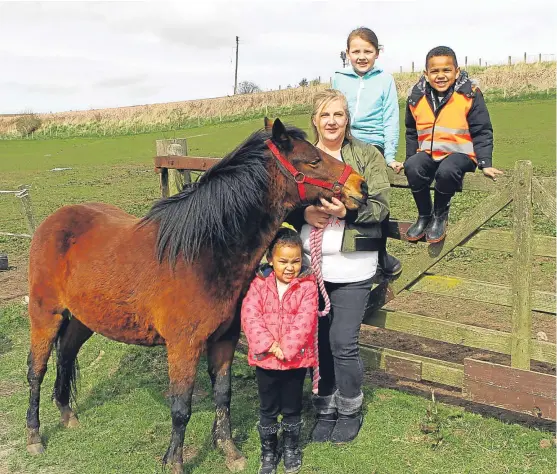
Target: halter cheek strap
[(301, 179)]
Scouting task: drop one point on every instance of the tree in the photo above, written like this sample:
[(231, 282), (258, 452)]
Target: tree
[(303, 82), (248, 87)]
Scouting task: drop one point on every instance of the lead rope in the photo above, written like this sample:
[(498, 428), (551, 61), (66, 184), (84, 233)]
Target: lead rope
[(316, 256)]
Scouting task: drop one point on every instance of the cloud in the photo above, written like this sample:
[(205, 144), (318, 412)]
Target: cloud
[(121, 81)]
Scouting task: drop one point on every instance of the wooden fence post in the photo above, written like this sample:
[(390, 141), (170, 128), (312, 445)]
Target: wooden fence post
[(412, 66), (522, 271), (510, 61), (26, 207), (465, 61), (173, 147), (524, 57)]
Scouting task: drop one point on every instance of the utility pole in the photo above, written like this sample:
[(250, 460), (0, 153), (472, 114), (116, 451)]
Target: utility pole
[(236, 71)]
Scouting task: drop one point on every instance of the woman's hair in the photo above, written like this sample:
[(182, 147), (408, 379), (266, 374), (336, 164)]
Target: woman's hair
[(285, 236), (320, 100), (366, 34)]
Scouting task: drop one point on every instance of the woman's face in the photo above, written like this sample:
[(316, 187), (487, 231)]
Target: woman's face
[(331, 122), (362, 55)]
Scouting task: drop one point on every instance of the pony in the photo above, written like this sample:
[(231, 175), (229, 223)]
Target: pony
[(175, 277)]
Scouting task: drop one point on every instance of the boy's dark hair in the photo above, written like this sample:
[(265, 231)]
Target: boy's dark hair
[(441, 51), (364, 33), (285, 236)]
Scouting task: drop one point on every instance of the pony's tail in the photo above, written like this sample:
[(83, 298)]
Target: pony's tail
[(67, 368)]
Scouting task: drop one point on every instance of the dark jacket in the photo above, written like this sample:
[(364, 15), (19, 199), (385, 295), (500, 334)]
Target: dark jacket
[(362, 229), (478, 119)]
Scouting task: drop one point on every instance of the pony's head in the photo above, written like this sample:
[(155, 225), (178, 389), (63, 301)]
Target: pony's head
[(312, 173)]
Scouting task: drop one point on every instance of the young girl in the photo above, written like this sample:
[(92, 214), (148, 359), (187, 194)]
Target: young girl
[(279, 319), (374, 113)]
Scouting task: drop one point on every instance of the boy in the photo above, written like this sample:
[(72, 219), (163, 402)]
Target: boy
[(448, 133)]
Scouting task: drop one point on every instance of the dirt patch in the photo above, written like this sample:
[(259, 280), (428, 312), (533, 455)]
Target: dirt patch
[(13, 282), (9, 388)]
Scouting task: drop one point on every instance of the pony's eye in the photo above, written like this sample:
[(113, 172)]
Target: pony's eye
[(314, 162)]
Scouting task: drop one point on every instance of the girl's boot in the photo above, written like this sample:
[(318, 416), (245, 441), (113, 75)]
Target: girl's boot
[(292, 453), (269, 442)]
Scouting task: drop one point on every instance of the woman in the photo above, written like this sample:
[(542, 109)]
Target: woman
[(351, 242)]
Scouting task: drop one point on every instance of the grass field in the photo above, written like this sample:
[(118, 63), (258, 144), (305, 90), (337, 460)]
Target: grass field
[(124, 415), (125, 422)]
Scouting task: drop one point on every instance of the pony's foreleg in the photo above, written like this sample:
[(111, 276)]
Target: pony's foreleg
[(44, 329), (220, 354), (183, 357), (72, 336)]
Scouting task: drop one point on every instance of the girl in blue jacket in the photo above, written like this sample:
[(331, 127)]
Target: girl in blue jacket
[(374, 113)]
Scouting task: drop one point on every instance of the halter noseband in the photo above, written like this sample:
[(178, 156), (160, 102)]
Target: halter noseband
[(301, 179)]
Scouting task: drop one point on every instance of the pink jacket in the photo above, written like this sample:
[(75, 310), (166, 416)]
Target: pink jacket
[(291, 322)]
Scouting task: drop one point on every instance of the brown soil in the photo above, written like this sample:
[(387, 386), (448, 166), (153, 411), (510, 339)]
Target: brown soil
[(13, 281)]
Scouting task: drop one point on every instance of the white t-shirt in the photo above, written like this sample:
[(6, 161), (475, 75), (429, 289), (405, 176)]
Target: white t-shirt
[(337, 266)]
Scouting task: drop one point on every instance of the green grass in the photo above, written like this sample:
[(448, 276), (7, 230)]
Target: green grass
[(125, 422)]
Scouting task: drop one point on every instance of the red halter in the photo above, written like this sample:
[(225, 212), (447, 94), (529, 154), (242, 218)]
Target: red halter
[(301, 179)]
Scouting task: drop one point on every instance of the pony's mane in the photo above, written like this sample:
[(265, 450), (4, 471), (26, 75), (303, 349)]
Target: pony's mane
[(215, 212)]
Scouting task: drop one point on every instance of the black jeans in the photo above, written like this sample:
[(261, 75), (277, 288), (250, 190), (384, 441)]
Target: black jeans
[(421, 170), (280, 392), (340, 365)]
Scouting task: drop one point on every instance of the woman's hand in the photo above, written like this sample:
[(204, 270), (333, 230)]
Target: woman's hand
[(492, 173), (316, 216), (334, 208), (396, 166)]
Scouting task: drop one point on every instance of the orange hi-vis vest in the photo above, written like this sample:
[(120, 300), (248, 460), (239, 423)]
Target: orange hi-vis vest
[(448, 132)]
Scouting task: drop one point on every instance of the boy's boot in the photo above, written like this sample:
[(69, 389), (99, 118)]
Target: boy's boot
[(326, 418), (423, 202), (390, 266), (269, 442), (292, 453), (350, 418), (437, 228)]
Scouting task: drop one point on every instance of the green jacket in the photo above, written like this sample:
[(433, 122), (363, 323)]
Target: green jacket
[(362, 230)]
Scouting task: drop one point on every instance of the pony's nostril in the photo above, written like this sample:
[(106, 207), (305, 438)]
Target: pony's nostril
[(364, 188)]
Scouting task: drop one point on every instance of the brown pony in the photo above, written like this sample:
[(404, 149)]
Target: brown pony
[(174, 277)]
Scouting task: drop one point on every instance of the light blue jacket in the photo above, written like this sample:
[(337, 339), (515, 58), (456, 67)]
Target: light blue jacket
[(373, 104)]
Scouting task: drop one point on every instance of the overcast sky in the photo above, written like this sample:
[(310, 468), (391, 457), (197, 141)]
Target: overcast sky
[(58, 56)]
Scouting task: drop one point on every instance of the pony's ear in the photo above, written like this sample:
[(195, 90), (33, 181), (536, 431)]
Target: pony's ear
[(268, 123), (279, 131)]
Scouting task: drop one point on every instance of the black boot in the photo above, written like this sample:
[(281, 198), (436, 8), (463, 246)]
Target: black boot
[(326, 418), (437, 228), (292, 454), (350, 418), (423, 202), (269, 442), (390, 266)]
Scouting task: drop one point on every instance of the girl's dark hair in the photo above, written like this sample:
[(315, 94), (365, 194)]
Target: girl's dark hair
[(364, 33), (441, 51), (285, 236)]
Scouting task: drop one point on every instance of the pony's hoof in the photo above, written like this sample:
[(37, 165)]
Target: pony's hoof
[(177, 468), (35, 449), (72, 422), (236, 465)]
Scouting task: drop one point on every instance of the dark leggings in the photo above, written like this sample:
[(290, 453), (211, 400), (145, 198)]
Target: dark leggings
[(280, 392)]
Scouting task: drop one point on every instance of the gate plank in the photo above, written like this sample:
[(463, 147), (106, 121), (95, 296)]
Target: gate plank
[(513, 389), (430, 255)]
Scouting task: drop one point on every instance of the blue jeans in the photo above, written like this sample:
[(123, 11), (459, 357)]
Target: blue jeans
[(340, 365)]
